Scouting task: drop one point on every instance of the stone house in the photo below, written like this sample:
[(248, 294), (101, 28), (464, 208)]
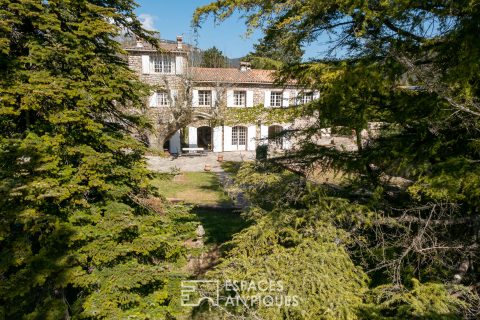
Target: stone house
[(190, 101)]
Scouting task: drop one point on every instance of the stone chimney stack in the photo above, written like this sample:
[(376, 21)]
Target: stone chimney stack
[(244, 66), (179, 42)]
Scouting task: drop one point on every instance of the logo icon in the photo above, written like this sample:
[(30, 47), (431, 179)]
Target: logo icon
[(194, 292)]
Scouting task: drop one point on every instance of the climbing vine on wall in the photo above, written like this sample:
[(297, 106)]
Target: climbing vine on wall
[(257, 113)]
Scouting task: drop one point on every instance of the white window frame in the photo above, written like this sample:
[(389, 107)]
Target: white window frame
[(204, 98), (240, 98), (239, 135), (162, 64), (305, 97), (276, 99), (163, 99)]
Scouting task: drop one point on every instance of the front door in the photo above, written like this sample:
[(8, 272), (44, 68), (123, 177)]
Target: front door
[(239, 138), (204, 138)]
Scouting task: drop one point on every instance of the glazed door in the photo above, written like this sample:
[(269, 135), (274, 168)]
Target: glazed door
[(239, 138)]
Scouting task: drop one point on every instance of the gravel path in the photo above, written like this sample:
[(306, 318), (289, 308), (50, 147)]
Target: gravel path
[(196, 163)]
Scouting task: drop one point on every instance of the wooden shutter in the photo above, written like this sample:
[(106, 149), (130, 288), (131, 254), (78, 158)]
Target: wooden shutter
[(217, 139), (153, 100), (227, 138), (145, 64), (179, 64), (173, 96), (192, 137), (267, 99), (195, 98), (252, 138), (286, 98), (249, 99), (214, 98), (230, 102)]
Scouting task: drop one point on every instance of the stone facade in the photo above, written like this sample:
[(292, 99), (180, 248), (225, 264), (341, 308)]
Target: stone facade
[(185, 122)]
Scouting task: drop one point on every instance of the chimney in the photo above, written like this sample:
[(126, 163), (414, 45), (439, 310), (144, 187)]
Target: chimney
[(179, 42), (244, 66)]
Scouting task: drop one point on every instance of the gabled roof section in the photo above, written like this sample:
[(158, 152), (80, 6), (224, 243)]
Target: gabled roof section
[(232, 75)]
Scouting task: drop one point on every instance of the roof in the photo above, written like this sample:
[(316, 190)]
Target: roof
[(166, 45), (232, 75)]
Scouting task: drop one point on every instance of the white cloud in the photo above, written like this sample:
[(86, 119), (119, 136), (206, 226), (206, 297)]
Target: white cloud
[(147, 20)]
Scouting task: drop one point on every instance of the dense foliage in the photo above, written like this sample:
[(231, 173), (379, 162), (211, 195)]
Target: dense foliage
[(268, 54), (213, 58), (77, 237), (406, 84), (297, 238)]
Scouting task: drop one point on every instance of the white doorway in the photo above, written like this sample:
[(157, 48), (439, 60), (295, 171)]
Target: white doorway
[(239, 138)]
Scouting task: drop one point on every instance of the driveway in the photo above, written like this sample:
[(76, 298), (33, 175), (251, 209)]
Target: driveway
[(197, 163)]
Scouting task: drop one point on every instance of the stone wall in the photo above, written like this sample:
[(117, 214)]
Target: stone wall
[(214, 115)]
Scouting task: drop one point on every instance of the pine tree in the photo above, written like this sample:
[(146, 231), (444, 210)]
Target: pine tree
[(412, 68), (213, 58), (75, 239)]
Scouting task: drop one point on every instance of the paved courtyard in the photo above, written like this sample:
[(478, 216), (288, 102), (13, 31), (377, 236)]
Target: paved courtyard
[(197, 163)]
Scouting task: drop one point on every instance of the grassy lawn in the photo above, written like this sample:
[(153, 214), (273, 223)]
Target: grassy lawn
[(193, 187)]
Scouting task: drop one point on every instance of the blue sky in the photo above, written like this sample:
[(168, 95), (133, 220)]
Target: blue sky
[(172, 18)]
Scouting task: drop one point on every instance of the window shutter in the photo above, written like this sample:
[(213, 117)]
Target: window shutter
[(173, 65), (252, 137), (146, 64), (153, 100), (179, 64), (173, 96), (249, 98), (230, 101), (227, 138), (217, 139), (295, 98), (192, 137), (214, 98), (195, 98), (286, 99), (267, 99)]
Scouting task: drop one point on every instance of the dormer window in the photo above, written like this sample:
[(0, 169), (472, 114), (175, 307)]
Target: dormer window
[(162, 64)]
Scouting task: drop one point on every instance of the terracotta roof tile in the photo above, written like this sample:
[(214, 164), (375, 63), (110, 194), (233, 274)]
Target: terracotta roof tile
[(232, 75)]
